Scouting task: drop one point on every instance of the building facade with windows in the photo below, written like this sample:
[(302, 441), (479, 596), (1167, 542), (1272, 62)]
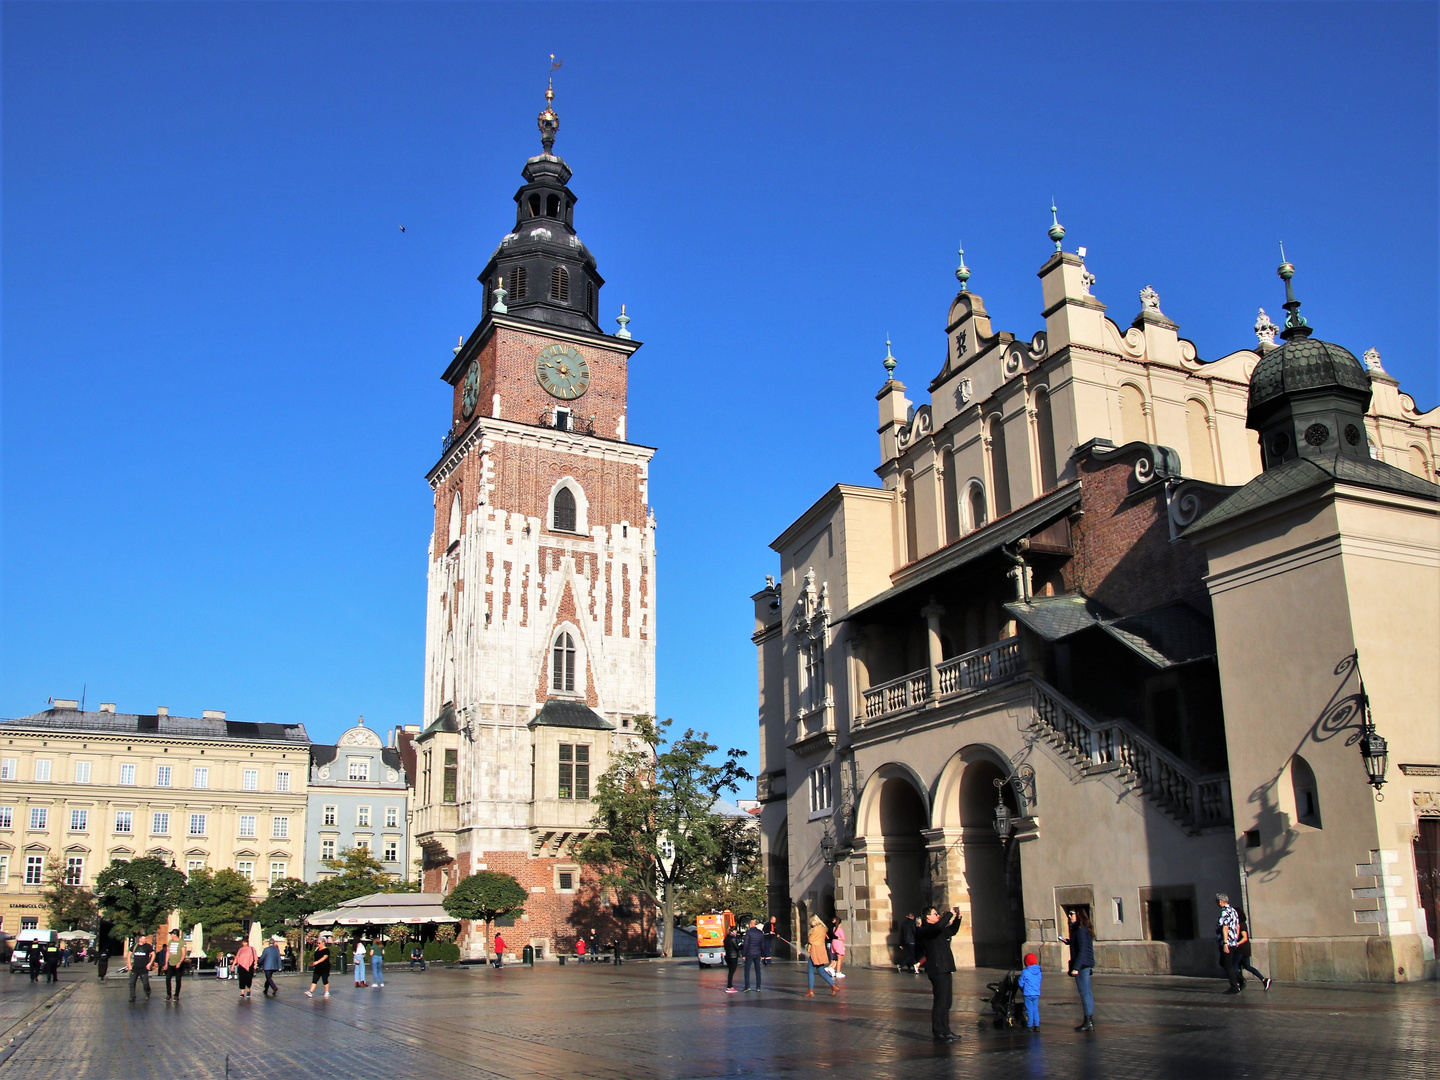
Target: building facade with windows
[(86, 788), (359, 797), (540, 636), (1091, 642)]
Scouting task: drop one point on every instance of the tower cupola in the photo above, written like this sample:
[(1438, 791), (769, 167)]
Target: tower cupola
[(548, 275)]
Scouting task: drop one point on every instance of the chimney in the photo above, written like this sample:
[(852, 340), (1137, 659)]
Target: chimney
[(162, 710), (107, 706), (66, 703), (213, 714)]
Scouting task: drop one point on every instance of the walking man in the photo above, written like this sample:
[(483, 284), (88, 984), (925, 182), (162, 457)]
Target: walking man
[(1243, 955), (270, 962), (102, 961), (753, 949), (142, 959), (52, 962), (499, 960), (172, 962), (1227, 937), (934, 936)]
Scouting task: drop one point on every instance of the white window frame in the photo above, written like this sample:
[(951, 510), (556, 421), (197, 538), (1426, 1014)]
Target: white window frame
[(277, 871), (34, 869), (39, 819), (127, 774), (163, 773), (160, 823), (327, 849), (4, 870), (42, 770), (330, 815), (582, 507), (125, 822), (79, 820), (202, 821), (82, 772), (246, 869), (392, 817), (201, 777), (191, 865), (7, 817), (247, 826), (362, 843), (250, 780), (282, 780), (822, 792), (358, 769), (280, 828), (392, 851), (75, 870), (9, 768), (362, 817)]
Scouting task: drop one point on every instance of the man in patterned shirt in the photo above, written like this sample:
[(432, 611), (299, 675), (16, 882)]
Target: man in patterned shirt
[(1227, 937)]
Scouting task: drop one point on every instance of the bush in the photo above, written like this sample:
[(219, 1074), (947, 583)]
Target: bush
[(396, 952), (442, 952)]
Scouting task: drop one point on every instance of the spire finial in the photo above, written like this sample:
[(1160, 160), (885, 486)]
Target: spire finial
[(548, 121), (890, 360), (1057, 231), (500, 294), (962, 271), (1295, 324), (624, 321)]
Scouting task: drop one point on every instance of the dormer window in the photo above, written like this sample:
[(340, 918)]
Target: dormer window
[(560, 285)]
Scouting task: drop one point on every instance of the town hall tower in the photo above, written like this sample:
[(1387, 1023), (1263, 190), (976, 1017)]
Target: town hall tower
[(540, 632)]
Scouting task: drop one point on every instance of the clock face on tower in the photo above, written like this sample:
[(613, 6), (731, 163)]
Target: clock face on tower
[(562, 371), (471, 393)]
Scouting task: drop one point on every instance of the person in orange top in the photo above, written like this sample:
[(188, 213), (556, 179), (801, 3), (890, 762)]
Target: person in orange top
[(245, 960)]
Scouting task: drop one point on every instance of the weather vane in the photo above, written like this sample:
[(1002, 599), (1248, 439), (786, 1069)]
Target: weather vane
[(548, 120)]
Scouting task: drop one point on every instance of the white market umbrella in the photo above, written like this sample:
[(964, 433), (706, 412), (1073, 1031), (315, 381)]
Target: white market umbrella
[(256, 938), (197, 940)]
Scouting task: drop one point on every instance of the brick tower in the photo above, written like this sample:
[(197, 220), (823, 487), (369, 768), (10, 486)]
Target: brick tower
[(540, 633)]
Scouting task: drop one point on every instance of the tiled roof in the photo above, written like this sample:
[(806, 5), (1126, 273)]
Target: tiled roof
[(150, 724), (1175, 634), (570, 714), (1306, 363)]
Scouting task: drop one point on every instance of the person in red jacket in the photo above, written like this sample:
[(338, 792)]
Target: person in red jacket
[(499, 960)]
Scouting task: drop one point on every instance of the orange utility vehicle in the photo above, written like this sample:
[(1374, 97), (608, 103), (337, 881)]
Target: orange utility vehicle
[(710, 933)]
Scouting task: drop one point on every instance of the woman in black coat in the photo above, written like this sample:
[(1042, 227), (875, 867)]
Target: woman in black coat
[(732, 958), (1082, 960)]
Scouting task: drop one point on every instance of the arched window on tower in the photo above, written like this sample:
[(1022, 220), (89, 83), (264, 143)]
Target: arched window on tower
[(950, 495), (562, 514), (907, 497), (1045, 436), (1197, 426), (560, 285), (590, 307), (534, 205), (552, 206), (519, 283), (562, 663), (1307, 792), (976, 502), (456, 513), (999, 466)]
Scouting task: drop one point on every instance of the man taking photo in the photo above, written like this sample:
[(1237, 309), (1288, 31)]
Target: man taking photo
[(933, 936)]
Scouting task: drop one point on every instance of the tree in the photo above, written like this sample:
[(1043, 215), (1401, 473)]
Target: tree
[(357, 873), (486, 896), (287, 903), (137, 896), (219, 901), (735, 879), (656, 834), (67, 907)]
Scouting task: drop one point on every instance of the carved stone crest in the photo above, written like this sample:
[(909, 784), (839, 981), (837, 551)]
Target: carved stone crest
[(967, 391), (1149, 300)]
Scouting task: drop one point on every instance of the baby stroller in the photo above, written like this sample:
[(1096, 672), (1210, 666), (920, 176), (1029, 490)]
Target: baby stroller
[(1006, 1006)]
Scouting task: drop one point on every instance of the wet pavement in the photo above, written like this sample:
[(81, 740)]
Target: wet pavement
[(668, 1021)]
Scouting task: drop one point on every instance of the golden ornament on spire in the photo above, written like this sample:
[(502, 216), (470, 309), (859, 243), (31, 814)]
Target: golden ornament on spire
[(548, 120)]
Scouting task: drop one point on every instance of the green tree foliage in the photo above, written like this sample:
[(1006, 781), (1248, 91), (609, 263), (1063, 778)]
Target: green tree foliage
[(287, 903), (486, 896), (734, 880), (656, 834), (67, 907), (356, 873), (137, 896), (219, 901)]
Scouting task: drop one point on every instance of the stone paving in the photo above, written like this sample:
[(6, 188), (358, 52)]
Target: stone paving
[(669, 1021)]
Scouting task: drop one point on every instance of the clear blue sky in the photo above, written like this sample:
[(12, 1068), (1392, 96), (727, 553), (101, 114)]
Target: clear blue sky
[(222, 356)]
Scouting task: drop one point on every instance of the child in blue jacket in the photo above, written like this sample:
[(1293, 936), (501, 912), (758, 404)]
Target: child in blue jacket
[(1030, 988)]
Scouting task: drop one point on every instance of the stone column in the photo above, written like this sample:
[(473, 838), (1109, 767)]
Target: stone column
[(932, 612), (946, 857)]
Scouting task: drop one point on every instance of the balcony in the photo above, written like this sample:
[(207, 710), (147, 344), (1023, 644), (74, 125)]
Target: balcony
[(968, 671)]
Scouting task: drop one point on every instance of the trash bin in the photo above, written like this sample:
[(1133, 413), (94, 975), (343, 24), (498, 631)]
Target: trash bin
[(527, 955), (561, 958)]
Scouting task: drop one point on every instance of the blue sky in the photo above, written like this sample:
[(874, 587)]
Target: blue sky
[(221, 355)]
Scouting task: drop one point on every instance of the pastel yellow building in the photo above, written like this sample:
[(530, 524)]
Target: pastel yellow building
[(85, 788)]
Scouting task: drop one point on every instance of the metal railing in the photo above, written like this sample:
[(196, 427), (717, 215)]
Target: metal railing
[(1194, 799)]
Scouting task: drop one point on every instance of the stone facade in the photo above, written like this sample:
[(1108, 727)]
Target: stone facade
[(1006, 680), (540, 626), (91, 787)]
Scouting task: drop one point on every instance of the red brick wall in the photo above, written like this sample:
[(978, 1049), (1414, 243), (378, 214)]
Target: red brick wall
[(1123, 554)]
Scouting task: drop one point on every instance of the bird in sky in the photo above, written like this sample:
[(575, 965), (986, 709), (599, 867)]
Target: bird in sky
[(402, 228)]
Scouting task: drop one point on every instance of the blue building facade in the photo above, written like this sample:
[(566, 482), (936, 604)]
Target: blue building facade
[(359, 796)]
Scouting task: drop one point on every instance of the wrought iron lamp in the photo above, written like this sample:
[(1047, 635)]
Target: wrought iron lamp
[(827, 847), (1373, 750), (1004, 823)]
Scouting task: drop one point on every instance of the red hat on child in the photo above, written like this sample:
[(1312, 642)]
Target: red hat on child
[(1031, 958)]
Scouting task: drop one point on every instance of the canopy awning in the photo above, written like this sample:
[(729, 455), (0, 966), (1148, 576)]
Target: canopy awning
[(384, 909)]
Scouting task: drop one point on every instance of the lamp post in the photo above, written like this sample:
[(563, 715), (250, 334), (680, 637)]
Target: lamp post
[(1373, 750), (827, 847)]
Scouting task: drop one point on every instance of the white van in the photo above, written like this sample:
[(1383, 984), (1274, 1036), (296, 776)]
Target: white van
[(24, 942)]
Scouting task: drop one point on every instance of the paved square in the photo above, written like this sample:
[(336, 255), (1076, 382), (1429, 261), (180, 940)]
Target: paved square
[(668, 1020)]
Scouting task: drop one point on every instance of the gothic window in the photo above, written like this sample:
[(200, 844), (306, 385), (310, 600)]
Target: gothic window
[(813, 656), (520, 282), (562, 516), (560, 285), (950, 494), (1197, 426), (562, 663), (1307, 792), (999, 466), (1045, 436), (454, 537)]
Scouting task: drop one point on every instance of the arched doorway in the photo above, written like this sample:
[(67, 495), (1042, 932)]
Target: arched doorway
[(992, 869), (892, 821)]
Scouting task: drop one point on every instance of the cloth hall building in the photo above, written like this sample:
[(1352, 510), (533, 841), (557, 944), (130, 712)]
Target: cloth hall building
[(540, 632), (1120, 628)]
